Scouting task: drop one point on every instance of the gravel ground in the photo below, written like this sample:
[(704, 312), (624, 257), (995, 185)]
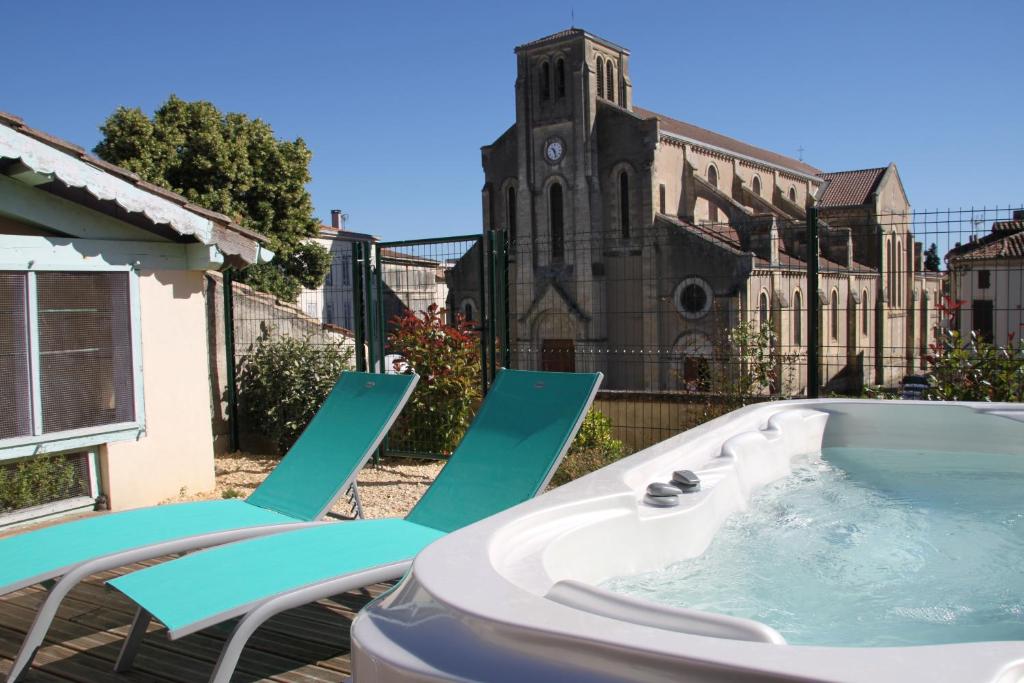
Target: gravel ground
[(386, 490)]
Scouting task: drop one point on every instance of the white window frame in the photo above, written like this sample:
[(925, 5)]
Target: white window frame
[(39, 443)]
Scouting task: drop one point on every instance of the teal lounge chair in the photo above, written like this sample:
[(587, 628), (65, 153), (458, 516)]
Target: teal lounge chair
[(523, 429), (317, 470)]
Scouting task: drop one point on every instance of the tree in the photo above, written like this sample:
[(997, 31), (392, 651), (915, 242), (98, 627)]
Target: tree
[(931, 258), (232, 164)]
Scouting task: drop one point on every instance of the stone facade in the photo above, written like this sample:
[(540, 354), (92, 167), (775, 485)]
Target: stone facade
[(638, 239)]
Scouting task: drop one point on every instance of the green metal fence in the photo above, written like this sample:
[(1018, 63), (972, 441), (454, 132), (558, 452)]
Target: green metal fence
[(686, 319)]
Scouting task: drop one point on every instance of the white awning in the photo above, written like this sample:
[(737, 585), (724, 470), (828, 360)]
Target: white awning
[(46, 160)]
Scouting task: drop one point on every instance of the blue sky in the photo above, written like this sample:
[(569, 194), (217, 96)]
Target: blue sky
[(395, 99)]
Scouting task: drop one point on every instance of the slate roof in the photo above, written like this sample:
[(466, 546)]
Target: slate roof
[(850, 188), (709, 137), (1005, 241)]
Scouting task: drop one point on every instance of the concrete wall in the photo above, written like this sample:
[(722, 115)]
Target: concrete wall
[(176, 452)]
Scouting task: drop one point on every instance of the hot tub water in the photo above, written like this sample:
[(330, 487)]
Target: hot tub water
[(868, 547)]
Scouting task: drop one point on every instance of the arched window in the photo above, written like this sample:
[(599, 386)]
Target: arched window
[(560, 78), (755, 185), (890, 261), (610, 75), (762, 309), (713, 181), (835, 315), (624, 203), (864, 313), (510, 212), (600, 77), (792, 194), (545, 81), (896, 271), (468, 310), (798, 330), (556, 219)]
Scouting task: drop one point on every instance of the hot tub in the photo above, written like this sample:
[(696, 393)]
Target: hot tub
[(559, 588)]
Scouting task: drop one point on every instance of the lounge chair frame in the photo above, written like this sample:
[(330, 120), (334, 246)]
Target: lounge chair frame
[(256, 613), (71, 575)]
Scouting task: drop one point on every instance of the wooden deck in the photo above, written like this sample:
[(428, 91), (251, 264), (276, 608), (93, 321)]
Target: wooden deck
[(305, 645)]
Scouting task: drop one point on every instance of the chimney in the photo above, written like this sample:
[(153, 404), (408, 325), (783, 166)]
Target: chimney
[(338, 219), (1018, 215)]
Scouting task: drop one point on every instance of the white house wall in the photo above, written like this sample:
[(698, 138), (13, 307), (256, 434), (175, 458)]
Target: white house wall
[(175, 455)]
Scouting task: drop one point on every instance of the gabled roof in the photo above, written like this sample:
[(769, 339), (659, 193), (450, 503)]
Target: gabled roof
[(850, 188), (713, 139), (1005, 241), (68, 171)]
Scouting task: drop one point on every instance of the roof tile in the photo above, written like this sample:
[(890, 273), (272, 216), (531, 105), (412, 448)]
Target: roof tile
[(709, 137), (850, 188)]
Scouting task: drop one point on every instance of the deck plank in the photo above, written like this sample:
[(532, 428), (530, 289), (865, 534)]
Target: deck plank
[(305, 645)]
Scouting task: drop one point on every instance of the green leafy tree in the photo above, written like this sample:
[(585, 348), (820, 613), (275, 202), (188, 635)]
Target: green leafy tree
[(932, 261), (232, 164)]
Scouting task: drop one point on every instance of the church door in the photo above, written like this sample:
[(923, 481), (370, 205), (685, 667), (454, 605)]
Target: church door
[(558, 355)]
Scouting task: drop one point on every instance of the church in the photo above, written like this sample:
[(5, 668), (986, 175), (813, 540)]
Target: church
[(637, 240)]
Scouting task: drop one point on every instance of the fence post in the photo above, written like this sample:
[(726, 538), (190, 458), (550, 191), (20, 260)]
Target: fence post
[(485, 245), (359, 320), (494, 310), (229, 358), (380, 330), (367, 303), (813, 308), (506, 342)]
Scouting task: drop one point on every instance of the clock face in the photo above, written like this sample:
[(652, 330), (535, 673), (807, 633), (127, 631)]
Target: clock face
[(554, 150)]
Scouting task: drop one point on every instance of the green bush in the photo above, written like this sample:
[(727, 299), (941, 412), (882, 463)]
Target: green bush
[(593, 448), (35, 481), (973, 369), (282, 383), (447, 359)]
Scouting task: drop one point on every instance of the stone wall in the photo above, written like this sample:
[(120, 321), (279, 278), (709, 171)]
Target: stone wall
[(255, 314)]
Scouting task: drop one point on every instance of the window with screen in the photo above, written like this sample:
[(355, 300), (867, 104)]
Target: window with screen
[(74, 329), (16, 418)]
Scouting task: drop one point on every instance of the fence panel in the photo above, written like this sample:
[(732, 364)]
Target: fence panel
[(686, 319)]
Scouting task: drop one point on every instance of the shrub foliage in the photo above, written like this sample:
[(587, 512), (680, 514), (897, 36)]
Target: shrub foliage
[(282, 382), (35, 481), (593, 448), (447, 359), (972, 369)]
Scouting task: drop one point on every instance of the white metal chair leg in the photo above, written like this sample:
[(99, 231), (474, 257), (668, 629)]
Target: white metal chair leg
[(232, 651), (45, 616), (48, 610), (130, 647)]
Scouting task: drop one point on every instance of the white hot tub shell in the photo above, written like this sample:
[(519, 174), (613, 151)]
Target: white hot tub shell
[(515, 597)]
